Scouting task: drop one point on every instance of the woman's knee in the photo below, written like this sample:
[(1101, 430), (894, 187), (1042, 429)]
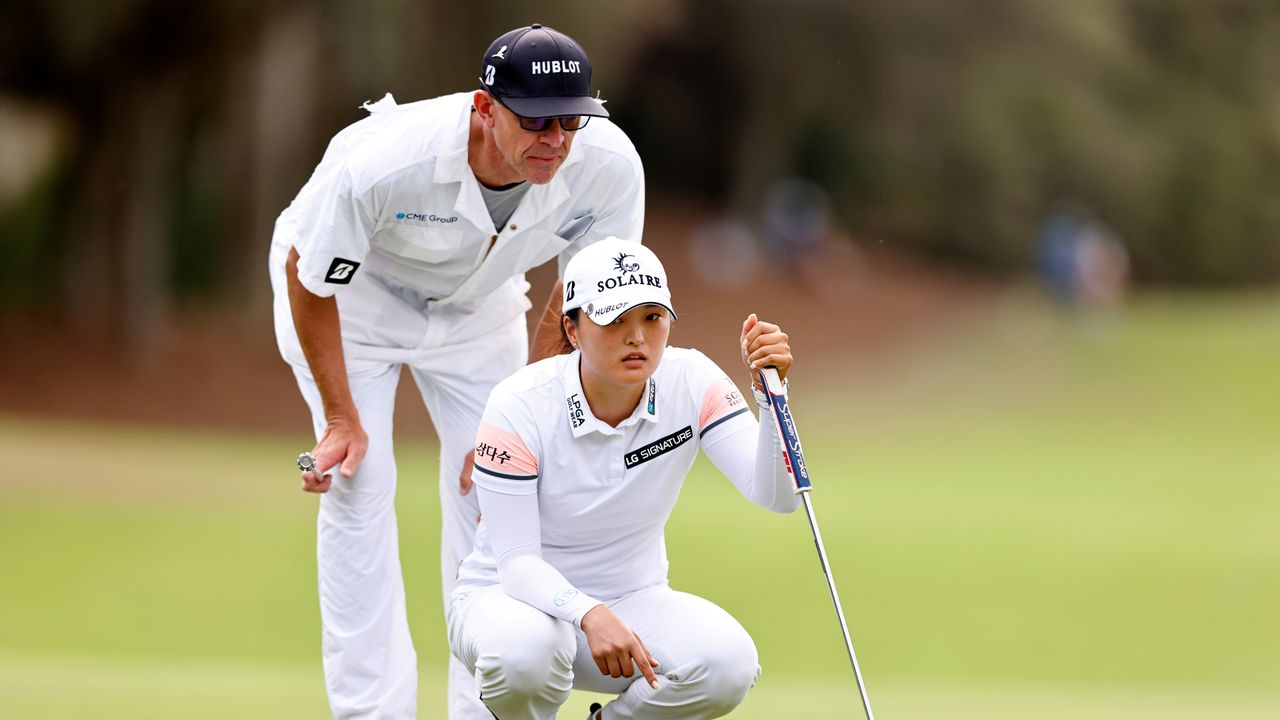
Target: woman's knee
[(724, 672), (730, 681)]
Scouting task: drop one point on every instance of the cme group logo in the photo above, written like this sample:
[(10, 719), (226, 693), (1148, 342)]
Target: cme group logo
[(432, 217)]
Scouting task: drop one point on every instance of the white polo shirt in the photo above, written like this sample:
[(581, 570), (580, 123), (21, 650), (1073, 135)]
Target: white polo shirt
[(604, 493), (394, 197)]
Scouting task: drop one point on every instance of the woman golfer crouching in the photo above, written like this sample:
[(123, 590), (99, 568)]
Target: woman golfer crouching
[(578, 463)]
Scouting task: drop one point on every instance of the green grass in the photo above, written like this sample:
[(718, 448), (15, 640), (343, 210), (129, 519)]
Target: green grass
[(126, 689), (1030, 517)]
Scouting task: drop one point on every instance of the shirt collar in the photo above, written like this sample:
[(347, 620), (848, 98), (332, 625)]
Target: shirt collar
[(578, 413), (451, 163)]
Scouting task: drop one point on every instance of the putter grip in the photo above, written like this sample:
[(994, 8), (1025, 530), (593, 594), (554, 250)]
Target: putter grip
[(772, 383), (786, 427)]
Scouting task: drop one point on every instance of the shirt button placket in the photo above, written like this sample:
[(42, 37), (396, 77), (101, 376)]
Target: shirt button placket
[(616, 464)]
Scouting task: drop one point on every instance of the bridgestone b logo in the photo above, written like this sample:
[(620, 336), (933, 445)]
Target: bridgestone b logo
[(665, 445), (341, 271)]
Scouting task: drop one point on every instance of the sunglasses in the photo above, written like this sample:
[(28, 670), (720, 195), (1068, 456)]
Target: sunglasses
[(568, 123)]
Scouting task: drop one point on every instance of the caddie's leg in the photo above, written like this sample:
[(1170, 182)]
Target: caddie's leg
[(708, 661), (370, 666), (455, 383), (522, 658)]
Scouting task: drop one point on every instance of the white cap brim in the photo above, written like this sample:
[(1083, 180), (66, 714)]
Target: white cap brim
[(618, 302)]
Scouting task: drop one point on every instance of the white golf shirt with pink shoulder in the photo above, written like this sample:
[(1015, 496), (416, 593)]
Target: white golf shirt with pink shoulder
[(603, 494)]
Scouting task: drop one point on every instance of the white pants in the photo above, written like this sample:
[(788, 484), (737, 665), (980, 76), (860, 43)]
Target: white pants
[(456, 356), (526, 661)]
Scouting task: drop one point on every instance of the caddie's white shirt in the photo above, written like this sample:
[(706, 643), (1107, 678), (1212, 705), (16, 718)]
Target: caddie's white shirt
[(394, 197), (604, 493)]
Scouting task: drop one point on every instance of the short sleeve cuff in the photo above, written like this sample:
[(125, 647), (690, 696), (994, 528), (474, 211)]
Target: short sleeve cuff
[(313, 278), (505, 483)]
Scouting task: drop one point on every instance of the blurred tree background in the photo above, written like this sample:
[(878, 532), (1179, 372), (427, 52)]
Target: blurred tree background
[(1035, 509), (147, 145)]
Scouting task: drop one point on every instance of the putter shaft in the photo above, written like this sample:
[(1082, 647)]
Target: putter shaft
[(835, 598), (790, 438)]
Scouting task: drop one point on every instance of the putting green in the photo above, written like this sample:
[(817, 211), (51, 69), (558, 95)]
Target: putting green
[(55, 688), (1030, 518)]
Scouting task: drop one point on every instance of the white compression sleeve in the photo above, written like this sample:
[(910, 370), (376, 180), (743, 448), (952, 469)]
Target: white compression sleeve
[(515, 534), (752, 459)]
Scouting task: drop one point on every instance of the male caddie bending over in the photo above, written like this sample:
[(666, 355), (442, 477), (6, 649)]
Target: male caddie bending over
[(407, 247), (579, 462)]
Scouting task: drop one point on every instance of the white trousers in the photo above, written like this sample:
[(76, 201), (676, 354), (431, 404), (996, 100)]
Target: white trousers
[(525, 661), (370, 666)]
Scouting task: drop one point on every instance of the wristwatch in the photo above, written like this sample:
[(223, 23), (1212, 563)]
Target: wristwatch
[(762, 397)]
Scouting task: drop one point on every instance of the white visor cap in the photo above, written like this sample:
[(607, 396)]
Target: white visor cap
[(609, 277)]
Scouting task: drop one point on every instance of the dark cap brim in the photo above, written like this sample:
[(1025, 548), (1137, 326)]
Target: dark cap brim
[(541, 107)]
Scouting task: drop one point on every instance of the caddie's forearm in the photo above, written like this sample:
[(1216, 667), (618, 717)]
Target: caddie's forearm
[(548, 337), (319, 331)]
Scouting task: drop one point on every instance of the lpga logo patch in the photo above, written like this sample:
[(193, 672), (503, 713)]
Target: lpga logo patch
[(577, 416)]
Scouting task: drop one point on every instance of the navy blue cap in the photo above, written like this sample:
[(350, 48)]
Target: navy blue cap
[(538, 72)]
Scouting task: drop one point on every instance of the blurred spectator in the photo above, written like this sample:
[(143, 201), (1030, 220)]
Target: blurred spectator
[(800, 236), (797, 216), (1083, 264), (723, 251)]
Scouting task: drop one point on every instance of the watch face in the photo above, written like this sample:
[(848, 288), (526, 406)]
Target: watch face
[(306, 461)]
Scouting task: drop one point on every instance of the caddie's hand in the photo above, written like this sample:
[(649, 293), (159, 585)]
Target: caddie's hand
[(763, 345), (344, 441), (614, 646), (464, 477)]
